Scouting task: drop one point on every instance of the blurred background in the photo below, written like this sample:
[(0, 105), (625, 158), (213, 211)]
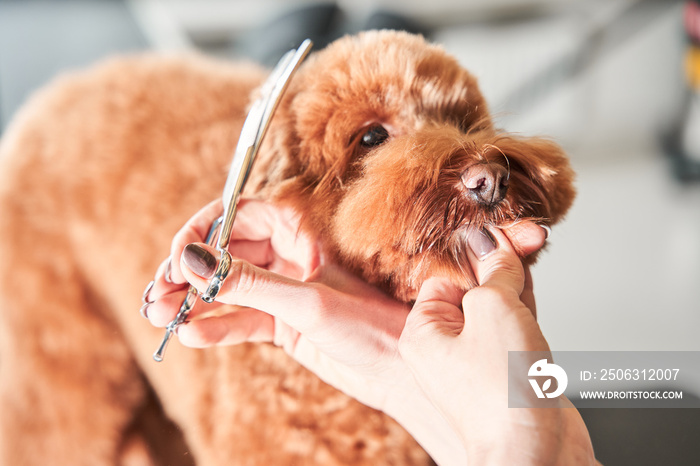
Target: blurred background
[(616, 82)]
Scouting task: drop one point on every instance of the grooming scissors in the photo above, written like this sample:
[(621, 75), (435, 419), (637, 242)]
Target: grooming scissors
[(254, 129)]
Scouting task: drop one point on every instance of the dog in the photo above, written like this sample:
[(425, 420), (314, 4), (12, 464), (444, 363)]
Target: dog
[(384, 146)]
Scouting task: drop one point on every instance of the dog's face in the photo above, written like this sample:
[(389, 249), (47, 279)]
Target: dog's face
[(385, 145)]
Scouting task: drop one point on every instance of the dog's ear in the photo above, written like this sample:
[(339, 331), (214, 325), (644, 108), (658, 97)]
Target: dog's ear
[(545, 164)]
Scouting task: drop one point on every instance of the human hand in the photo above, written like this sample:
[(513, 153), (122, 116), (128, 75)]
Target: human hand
[(338, 313), (331, 322), (336, 325), (323, 316), (468, 382)]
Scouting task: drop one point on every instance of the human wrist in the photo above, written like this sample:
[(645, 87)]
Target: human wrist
[(411, 408), (498, 452), (504, 453), (560, 438)]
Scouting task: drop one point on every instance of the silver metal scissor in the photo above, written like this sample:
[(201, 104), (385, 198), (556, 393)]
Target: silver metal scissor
[(254, 129)]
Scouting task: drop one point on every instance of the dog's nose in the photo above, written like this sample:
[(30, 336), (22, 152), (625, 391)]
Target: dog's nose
[(487, 183)]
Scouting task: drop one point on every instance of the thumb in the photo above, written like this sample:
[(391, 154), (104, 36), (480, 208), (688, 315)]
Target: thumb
[(494, 260), (249, 286), (435, 315)]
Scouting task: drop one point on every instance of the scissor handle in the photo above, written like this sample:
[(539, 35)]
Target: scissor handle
[(189, 301)]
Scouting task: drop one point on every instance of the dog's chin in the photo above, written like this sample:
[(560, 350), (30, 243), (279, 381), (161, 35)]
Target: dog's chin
[(398, 249), (451, 259)]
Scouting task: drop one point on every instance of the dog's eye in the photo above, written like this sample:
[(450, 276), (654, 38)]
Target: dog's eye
[(374, 136)]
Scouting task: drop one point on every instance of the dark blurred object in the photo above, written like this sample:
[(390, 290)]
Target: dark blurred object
[(266, 43), (683, 141), (642, 437), (322, 23)]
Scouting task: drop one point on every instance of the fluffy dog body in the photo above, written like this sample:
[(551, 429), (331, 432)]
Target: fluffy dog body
[(371, 144)]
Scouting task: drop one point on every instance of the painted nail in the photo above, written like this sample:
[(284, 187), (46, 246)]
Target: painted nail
[(547, 231), (481, 243), (144, 310), (168, 271), (199, 260), (147, 291)]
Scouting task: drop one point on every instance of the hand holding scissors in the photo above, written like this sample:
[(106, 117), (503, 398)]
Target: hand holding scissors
[(252, 134)]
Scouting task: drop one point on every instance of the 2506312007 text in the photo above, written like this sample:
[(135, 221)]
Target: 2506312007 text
[(649, 374)]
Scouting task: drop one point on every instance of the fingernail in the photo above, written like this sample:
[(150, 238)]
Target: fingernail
[(547, 231), (147, 291), (168, 271), (144, 310), (481, 243), (199, 260)]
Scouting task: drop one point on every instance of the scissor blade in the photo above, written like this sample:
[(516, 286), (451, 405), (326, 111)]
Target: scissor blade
[(254, 129), (281, 84), (250, 130)]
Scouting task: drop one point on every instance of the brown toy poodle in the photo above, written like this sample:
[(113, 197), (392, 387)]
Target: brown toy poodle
[(383, 143)]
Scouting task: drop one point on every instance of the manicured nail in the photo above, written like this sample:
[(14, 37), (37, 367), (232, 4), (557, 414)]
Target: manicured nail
[(168, 271), (481, 243), (199, 260), (547, 231), (144, 310), (146, 292)]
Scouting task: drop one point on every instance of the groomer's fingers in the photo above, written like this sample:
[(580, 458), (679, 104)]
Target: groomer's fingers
[(279, 227), (240, 325), (259, 253), (195, 230), (526, 237), (162, 311), (255, 223), (162, 283), (258, 220), (295, 302), (528, 294), (435, 313), (266, 228), (494, 260)]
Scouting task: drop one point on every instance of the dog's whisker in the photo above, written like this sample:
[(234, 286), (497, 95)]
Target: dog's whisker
[(499, 150)]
